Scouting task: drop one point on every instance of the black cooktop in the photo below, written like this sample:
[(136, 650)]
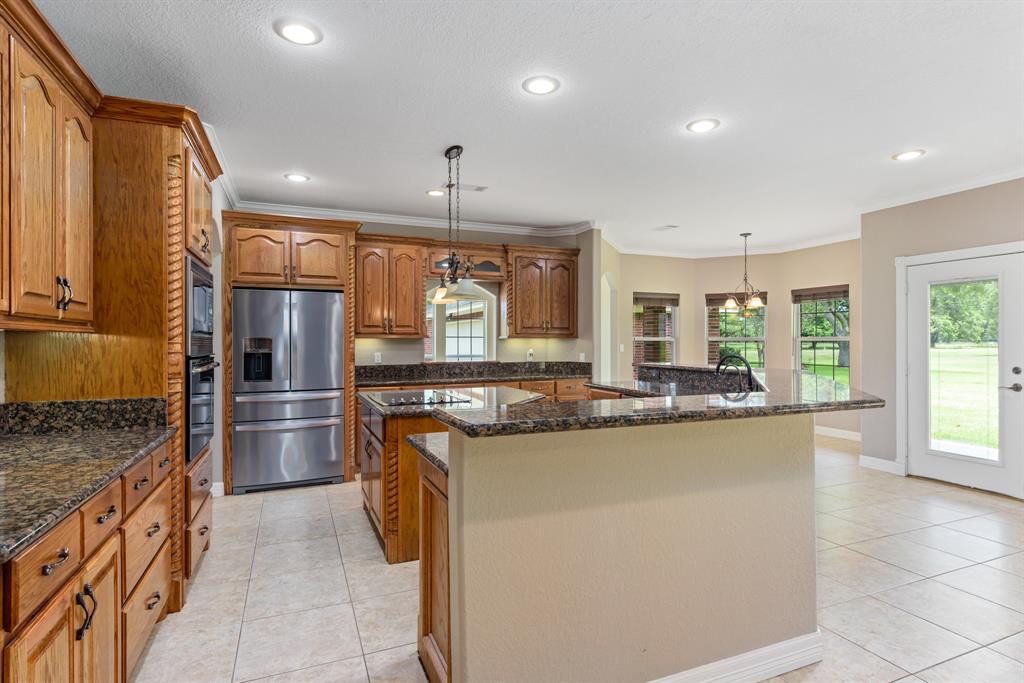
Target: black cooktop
[(412, 398)]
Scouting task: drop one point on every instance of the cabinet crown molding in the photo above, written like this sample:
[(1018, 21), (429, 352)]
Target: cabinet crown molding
[(282, 222)]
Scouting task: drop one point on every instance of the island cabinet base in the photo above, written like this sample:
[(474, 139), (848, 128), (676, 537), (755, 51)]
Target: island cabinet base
[(434, 632), (657, 550)]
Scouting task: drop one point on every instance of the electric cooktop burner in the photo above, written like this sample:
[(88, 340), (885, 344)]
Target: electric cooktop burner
[(412, 398)]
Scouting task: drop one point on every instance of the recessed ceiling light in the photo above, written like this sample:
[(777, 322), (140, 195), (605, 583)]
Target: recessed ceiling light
[(909, 155), (703, 125), (297, 177), (298, 32), (541, 85), (435, 193)]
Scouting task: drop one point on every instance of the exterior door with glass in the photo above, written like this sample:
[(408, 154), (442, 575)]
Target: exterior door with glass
[(965, 363)]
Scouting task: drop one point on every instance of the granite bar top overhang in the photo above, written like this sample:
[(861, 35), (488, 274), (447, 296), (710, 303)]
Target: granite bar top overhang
[(785, 392), (480, 398), (44, 478), (433, 447)]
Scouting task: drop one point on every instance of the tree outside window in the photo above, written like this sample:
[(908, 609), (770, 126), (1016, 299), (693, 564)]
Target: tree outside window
[(735, 331), (822, 343)]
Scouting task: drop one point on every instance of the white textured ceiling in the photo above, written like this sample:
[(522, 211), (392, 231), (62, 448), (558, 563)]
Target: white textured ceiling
[(814, 98)]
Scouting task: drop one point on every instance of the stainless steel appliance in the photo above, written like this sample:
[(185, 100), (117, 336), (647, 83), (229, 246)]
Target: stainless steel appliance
[(288, 405), (200, 362), (413, 398)]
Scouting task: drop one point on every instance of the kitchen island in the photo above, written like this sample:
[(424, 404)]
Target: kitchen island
[(631, 539)]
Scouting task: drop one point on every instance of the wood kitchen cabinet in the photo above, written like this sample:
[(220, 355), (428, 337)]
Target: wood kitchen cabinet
[(390, 290), (199, 210), (489, 262), (542, 294), (44, 652), (98, 652), (434, 632), (49, 284)]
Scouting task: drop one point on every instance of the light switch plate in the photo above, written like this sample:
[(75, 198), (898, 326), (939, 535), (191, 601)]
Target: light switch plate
[(622, 348), (378, 357), (583, 357)]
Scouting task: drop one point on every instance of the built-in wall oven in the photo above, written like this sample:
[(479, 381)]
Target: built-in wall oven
[(200, 361)]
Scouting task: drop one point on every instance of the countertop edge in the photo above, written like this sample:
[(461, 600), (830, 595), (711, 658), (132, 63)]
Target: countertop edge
[(466, 381), (421, 443), (59, 514)]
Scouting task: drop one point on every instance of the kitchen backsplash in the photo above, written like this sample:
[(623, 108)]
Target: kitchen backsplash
[(46, 417), (369, 375)]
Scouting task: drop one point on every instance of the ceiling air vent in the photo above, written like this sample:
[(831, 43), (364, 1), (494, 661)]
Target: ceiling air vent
[(663, 228), (472, 188)]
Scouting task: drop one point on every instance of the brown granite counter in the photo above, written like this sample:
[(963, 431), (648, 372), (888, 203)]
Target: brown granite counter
[(784, 392), (433, 447), (45, 477), (468, 371), (479, 398)]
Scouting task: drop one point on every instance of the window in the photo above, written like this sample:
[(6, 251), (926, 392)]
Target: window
[(461, 330), (654, 328), (822, 331), (738, 331)]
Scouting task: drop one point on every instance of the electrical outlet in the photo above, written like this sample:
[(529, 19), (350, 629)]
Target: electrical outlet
[(622, 348), (378, 357), (583, 357), (529, 355)]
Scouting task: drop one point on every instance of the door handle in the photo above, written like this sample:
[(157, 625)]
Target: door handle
[(293, 273), (87, 589), (141, 482), (111, 511), (285, 425), (80, 631), (1016, 386), (62, 557), (153, 601), (153, 530), (71, 294), (63, 293), (288, 397)]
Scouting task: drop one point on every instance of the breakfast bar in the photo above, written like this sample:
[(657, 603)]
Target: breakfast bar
[(626, 539)]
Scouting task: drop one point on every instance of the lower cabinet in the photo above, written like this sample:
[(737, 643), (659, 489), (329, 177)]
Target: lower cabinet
[(45, 650), (434, 631), (99, 648), (144, 606)]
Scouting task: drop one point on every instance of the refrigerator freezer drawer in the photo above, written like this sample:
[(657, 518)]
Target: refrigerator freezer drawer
[(288, 405), (287, 452)]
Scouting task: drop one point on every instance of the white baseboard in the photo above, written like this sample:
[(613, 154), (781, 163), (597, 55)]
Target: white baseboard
[(756, 665), (837, 433), (890, 466), (218, 488)]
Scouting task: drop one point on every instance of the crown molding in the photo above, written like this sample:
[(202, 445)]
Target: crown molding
[(776, 249), (973, 184), (226, 183), (414, 221)]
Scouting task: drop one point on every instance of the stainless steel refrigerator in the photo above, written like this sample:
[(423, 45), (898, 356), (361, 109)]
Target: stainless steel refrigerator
[(288, 366)]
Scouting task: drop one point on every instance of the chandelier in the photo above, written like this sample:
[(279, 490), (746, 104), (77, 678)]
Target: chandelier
[(457, 282), (745, 296)]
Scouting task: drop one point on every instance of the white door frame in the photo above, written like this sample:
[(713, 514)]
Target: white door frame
[(902, 330)]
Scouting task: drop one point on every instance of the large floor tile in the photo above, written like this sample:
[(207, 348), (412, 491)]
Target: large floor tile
[(295, 506), (286, 558), (296, 591), (859, 493), (882, 520), (360, 546), (958, 543), (910, 556), (831, 592), (213, 601), (398, 665), (987, 582), (907, 641), (273, 531), (921, 510), (240, 533), (387, 621), (295, 641), (346, 671), (963, 501), (1012, 647), (371, 578), (352, 521), (860, 572), (998, 530), (225, 562), (189, 652), (980, 666), (841, 531), (844, 662), (967, 615), (826, 503)]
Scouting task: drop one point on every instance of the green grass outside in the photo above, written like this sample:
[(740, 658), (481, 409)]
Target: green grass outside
[(964, 398), (825, 350)]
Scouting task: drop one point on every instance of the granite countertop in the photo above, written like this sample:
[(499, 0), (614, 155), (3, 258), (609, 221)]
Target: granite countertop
[(480, 398), (786, 392), (433, 447), (469, 380), (638, 388), (45, 477)]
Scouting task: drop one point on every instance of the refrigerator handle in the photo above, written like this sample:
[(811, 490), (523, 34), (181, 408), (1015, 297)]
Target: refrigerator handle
[(287, 425), (286, 397)]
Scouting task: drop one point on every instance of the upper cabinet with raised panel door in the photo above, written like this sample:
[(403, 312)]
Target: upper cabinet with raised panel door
[(282, 251), (542, 292), (46, 276), (199, 210), (390, 290), (488, 260)]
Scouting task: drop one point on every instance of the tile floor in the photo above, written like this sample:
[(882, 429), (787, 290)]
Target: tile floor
[(918, 581)]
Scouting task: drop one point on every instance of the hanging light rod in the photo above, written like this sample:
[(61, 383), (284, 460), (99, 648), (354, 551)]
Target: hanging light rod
[(750, 295), (456, 283)]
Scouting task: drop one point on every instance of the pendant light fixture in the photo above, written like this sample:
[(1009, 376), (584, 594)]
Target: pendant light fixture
[(457, 282), (746, 296)]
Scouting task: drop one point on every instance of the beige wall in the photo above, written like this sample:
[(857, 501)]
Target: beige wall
[(986, 215), (777, 274), (545, 530)]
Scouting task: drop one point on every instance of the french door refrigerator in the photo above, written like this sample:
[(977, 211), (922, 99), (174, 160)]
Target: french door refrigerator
[(288, 405)]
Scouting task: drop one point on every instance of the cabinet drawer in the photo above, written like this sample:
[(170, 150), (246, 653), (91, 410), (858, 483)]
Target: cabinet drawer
[(138, 483), (143, 608), (144, 532), (198, 484), (601, 394), (199, 533), (42, 568), (571, 387), (547, 387), (101, 515), (161, 463)]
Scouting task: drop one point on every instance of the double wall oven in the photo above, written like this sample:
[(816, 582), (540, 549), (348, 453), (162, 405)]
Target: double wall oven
[(200, 360)]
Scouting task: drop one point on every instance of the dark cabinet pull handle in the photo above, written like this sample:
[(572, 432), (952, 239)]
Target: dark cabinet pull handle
[(62, 557), (165, 462), (141, 482), (203, 530), (63, 293), (71, 294), (111, 511), (293, 273), (87, 589), (206, 241), (153, 601), (203, 482), (153, 530), (80, 631)]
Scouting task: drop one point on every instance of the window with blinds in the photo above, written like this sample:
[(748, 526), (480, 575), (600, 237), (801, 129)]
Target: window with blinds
[(735, 331), (654, 328), (821, 334)]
